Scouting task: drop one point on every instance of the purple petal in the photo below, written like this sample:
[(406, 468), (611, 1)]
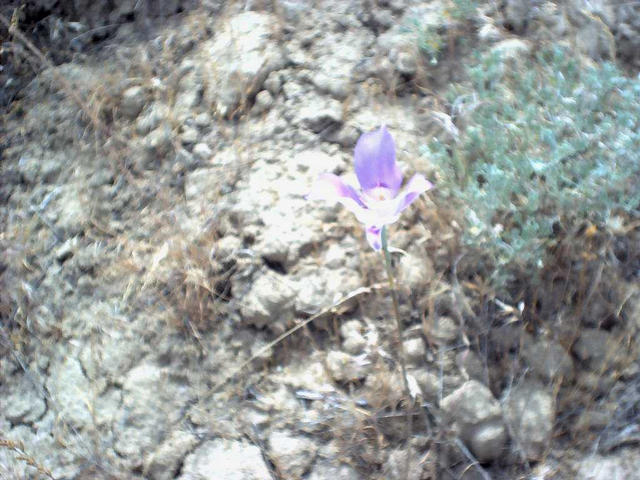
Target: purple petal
[(375, 161), (331, 188), (374, 237), (414, 187)]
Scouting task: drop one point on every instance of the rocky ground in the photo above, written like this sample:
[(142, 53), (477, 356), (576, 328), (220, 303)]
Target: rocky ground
[(156, 246)]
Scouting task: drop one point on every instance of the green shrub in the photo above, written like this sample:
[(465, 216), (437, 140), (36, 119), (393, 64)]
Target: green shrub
[(544, 149)]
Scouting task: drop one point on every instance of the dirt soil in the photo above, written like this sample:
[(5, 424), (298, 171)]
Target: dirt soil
[(172, 307)]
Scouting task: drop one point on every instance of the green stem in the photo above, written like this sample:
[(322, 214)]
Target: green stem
[(400, 348)]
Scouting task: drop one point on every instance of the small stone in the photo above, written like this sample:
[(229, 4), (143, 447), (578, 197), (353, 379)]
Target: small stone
[(65, 251), (516, 14), (337, 86), (273, 83), (548, 360), (23, 404), (595, 346), (406, 64), (530, 412), (269, 303), (415, 350), (395, 467), (488, 441), (444, 330), (415, 273), (133, 100), (189, 136), (382, 18), (489, 33), (200, 185), (157, 144), (428, 382), (291, 455), (477, 417), (165, 461), (225, 460), (202, 151), (511, 49), (623, 464), (470, 365), (65, 382), (347, 368), (353, 341), (151, 118), (319, 114), (263, 102), (202, 120)]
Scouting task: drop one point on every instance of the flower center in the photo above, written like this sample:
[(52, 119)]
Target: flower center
[(379, 194)]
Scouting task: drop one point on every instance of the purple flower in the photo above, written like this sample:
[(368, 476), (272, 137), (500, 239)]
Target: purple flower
[(379, 201)]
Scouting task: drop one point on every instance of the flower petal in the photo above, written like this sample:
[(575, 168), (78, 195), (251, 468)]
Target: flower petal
[(331, 188), (374, 237), (375, 161), (414, 187)]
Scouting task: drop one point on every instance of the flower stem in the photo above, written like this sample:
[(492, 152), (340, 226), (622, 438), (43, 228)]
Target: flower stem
[(400, 347)]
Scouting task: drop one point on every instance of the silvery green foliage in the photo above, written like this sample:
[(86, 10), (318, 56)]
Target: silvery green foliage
[(543, 148)]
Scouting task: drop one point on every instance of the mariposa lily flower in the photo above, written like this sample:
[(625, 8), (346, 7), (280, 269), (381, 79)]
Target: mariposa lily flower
[(379, 201)]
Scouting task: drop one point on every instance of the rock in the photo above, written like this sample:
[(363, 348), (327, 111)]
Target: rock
[(238, 60), (225, 460), (269, 302), (428, 382), (487, 442), (477, 417), (337, 86), (594, 39), (516, 14), (273, 83), (395, 467), (347, 368), (548, 360), (23, 404), (406, 64), (470, 365), (70, 391), (444, 330), (291, 455), (594, 347), (200, 186), (189, 136), (319, 114), (415, 350), (133, 101), (202, 151), (148, 401), (489, 33), (530, 411), (165, 461), (263, 102), (157, 145), (511, 49), (152, 117), (623, 464), (318, 289), (315, 162), (415, 273), (202, 120), (353, 341)]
